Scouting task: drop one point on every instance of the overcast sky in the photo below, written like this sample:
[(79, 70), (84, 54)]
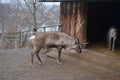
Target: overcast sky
[(47, 3), (50, 3)]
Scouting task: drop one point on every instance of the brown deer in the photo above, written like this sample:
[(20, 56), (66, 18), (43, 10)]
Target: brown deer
[(53, 40)]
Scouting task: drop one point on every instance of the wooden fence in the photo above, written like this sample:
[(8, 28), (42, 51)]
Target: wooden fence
[(19, 39)]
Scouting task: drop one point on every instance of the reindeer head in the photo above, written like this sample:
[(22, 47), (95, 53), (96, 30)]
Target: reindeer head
[(77, 45)]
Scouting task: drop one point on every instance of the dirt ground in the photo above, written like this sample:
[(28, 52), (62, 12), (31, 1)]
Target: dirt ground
[(89, 65), (103, 49)]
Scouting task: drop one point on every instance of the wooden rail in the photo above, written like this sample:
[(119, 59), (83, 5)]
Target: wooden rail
[(18, 39)]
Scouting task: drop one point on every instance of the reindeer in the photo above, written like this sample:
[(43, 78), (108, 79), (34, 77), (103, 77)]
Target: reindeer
[(53, 40), (112, 36)]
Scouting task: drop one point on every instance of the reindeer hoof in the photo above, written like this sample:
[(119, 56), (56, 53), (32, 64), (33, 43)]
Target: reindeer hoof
[(59, 62), (31, 63), (40, 63), (108, 48), (112, 50)]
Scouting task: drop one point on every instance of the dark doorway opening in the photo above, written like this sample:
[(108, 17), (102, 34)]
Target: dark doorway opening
[(101, 15)]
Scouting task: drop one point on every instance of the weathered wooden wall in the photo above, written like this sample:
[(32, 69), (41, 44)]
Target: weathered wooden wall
[(73, 19)]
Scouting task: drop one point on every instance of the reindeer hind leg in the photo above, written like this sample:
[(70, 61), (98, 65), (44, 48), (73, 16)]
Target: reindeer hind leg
[(38, 57), (34, 51), (59, 55), (113, 44), (109, 43)]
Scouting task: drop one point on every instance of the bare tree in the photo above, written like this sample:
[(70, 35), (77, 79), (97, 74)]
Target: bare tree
[(17, 15), (31, 5), (42, 14)]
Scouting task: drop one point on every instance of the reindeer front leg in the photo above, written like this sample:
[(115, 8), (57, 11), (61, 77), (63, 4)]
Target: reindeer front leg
[(59, 55), (113, 45), (109, 43), (31, 58), (39, 60)]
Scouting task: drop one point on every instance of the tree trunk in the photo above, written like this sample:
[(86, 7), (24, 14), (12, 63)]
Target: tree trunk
[(34, 17)]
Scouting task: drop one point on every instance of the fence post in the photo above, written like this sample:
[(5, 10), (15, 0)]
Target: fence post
[(19, 39), (44, 29), (51, 28)]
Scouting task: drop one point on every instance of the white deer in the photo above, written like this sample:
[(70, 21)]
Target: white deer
[(112, 36)]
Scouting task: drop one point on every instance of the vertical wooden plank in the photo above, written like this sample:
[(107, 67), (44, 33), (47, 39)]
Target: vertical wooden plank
[(81, 20), (63, 22), (72, 23), (85, 24), (78, 21), (66, 28), (61, 16), (73, 19), (84, 20), (68, 18)]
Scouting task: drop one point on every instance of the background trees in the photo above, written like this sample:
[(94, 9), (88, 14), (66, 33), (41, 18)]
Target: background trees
[(18, 15)]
